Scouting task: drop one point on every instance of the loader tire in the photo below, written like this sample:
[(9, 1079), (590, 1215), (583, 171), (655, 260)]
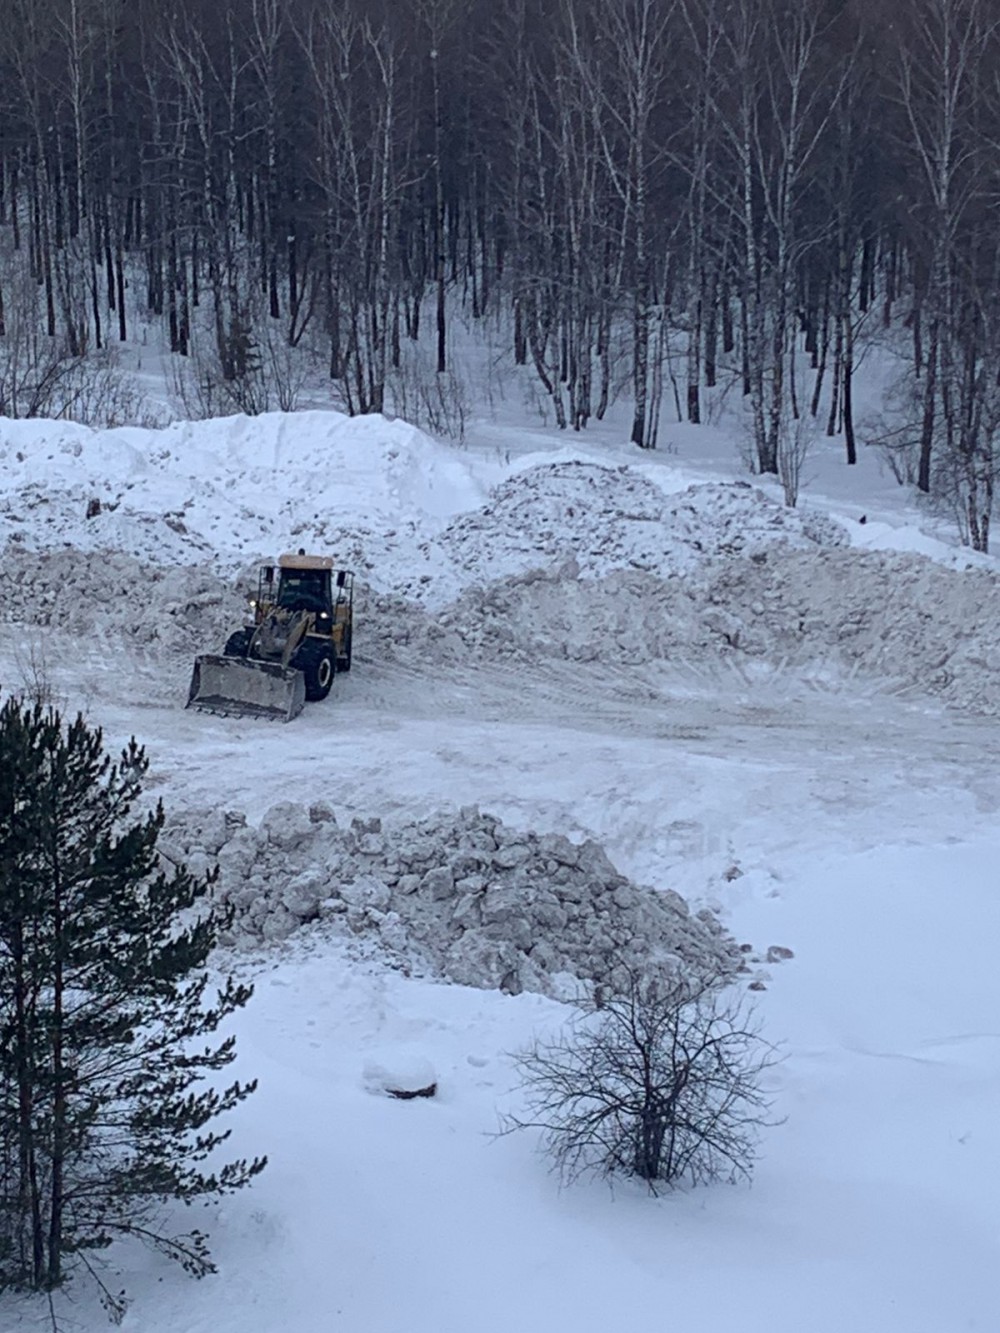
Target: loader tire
[(238, 644), (318, 666)]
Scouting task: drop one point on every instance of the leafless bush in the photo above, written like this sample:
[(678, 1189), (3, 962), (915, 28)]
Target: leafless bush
[(967, 473), (436, 402), (795, 439), (101, 394), (267, 375), (287, 368), (966, 437), (42, 376), (32, 665), (900, 451), (196, 387), (660, 1079), (35, 370), (895, 431), (719, 401)]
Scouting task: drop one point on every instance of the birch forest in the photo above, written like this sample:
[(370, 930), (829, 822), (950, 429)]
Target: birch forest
[(653, 201)]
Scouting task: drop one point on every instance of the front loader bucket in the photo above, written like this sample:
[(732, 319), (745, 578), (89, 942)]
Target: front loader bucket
[(242, 687)]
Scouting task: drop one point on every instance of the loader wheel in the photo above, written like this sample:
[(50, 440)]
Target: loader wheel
[(238, 644), (318, 666)]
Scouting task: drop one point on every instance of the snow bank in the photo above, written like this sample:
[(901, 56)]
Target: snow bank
[(232, 489), (607, 518), (110, 596), (901, 620), (408, 514), (468, 898)]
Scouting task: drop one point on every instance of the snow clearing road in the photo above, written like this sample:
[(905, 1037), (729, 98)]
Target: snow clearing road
[(681, 774)]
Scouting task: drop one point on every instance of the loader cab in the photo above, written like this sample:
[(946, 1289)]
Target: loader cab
[(310, 583), (299, 583), (304, 589)]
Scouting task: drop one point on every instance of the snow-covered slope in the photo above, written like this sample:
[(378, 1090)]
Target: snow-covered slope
[(731, 701), (225, 489)]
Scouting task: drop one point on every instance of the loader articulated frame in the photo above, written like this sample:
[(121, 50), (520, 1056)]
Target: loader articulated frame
[(299, 639)]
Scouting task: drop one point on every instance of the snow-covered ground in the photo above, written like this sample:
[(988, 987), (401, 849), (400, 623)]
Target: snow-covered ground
[(788, 718)]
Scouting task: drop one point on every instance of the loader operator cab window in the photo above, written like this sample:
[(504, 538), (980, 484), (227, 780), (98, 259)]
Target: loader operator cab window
[(304, 589)]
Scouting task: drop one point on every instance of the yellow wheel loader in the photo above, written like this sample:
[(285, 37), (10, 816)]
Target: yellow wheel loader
[(303, 618)]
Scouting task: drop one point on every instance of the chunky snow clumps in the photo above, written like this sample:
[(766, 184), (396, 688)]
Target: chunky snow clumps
[(602, 517), (899, 619), (567, 561), (468, 898), (606, 518), (93, 595)]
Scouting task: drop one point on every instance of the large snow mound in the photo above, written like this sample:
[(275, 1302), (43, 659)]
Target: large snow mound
[(465, 897), (569, 559), (605, 518), (902, 620), (411, 516), (229, 489), (110, 596)]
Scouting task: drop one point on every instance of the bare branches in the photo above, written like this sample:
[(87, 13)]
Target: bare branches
[(660, 1078)]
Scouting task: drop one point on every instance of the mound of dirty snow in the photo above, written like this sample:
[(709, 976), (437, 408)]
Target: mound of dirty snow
[(109, 595), (606, 518), (233, 489), (464, 897), (406, 513), (902, 619)]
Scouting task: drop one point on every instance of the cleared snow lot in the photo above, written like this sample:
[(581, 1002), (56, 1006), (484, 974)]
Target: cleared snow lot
[(734, 703)]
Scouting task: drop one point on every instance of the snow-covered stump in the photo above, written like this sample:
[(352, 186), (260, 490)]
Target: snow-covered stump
[(403, 1077)]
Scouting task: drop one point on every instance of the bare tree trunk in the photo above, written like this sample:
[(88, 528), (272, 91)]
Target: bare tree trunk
[(927, 422), (847, 385)]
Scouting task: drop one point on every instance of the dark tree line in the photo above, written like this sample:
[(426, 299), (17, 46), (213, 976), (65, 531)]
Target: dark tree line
[(657, 193)]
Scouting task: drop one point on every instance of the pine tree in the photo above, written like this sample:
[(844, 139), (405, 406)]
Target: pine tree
[(105, 1036)]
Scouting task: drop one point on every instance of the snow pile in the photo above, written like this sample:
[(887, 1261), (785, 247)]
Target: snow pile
[(568, 560), (109, 600), (407, 514), (365, 488), (901, 619), (109, 597), (469, 897), (607, 518)]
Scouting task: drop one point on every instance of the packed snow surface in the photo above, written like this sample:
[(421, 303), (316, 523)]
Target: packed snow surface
[(603, 708)]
